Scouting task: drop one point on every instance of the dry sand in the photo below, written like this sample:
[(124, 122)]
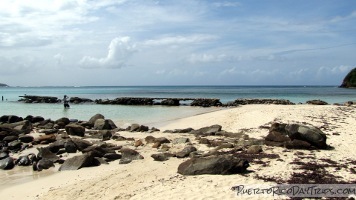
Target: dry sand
[(149, 179)]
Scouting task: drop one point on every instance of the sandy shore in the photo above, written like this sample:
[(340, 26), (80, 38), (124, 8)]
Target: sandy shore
[(149, 179)]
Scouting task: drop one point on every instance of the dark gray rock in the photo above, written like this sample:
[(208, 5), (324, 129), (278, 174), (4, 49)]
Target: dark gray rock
[(3, 155), (317, 102), (100, 134), (254, 149), (130, 154), (95, 151), (95, 117), (277, 137), (7, 163), (104, 124), (10, 138), (285, 134), (14, 145), (45, 153), (23, 161), (180, 140), (81, 144), (224, 164), (112, 156), (310, 134), (186, 130), (74, 129), (150, 139), (205, 131), (161, 156), (161, 140), (62, 122), (26, 138), (186, 151), (42, 164), (70, 146), (298, 144), (77, 162)]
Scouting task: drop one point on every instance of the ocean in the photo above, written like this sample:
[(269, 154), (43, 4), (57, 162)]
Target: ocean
[(153, 114)]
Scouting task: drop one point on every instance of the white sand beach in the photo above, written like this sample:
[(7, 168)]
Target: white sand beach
[(149, 179)]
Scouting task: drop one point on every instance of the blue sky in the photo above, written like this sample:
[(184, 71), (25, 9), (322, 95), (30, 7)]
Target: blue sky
[(169, 42)]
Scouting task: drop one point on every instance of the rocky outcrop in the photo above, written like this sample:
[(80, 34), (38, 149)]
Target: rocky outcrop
[(221, 164), (206, 102), (260, 101), (39, 99), (349, 80), (77, 100), (317, 102), (296, 136)]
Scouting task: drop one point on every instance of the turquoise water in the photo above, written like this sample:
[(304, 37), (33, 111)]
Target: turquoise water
[(151, 114)]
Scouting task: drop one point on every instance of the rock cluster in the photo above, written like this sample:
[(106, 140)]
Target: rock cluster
[(317, 102), (64, 136), (126, 101), (39, 99), (61, 136), (296, 136), (202, 102), (259, 101)]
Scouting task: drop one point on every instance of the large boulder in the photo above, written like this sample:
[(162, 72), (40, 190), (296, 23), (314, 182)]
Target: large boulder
[(186, 151), (62, 122), (7, 163), (81, 144), (42, 164), (96, 117), (205, 131), (129, 155), (222, 164), (46, 153), (23, 126), (309, 134), (74, 129), (285, 134), (77, 162), (104, 124)]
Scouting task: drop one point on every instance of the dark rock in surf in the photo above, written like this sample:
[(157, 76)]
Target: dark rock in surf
[(317, 102)]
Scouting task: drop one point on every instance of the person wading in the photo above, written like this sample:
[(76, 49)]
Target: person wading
[(65, 101)]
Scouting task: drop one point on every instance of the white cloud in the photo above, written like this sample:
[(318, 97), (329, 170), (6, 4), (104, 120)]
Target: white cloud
[(177, 40), (58, 58), (197, 58), (226, 4), (120, 49)]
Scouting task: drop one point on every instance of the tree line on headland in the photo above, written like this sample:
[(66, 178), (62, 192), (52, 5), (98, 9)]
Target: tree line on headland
[(3, 85), (349, 80)]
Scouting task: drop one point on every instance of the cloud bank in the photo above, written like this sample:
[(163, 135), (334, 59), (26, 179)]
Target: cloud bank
[(119, 51)]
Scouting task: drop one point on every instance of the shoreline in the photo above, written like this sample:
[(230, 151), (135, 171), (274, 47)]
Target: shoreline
[(159, 180)]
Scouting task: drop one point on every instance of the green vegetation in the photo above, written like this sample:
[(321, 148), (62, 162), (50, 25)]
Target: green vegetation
[(350, 80)]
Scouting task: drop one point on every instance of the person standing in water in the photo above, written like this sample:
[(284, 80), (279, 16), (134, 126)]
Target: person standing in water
[(65, 101)]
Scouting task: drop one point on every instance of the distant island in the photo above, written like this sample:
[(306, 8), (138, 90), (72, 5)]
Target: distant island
[(3, 85), (349, 80)]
